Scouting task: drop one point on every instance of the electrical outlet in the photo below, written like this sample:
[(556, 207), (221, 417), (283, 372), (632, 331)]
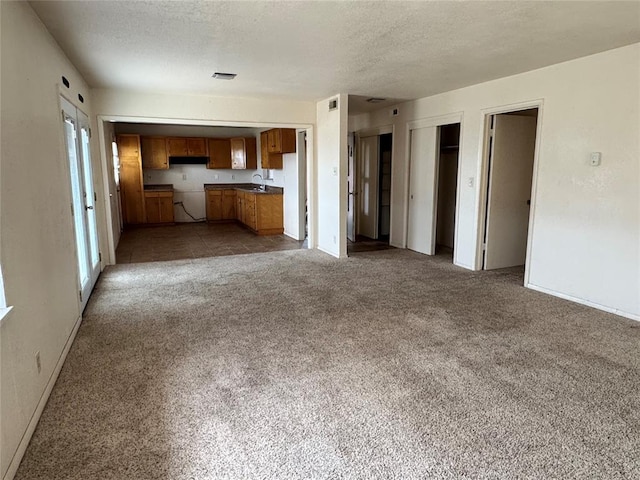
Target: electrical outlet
[(215, 177), (233, 177), (184, 176), (38, 362), (334, 239)]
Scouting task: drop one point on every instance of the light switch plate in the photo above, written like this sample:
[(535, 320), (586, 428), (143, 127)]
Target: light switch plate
[(596, 158)]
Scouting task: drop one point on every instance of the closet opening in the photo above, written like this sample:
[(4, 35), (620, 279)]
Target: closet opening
[(447, 180)]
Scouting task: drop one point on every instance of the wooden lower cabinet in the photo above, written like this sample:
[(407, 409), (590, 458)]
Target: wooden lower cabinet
[(221, 205), (263, 213), (159, 206)]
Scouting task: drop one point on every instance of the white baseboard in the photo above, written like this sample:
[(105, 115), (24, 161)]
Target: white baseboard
[(291, 235), (26, 437), (582, 301), (333, 254)]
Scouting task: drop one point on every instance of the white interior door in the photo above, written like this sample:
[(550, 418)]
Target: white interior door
[(368, 174), (83, 198), (509, 193), (423, 173), (351, 192)]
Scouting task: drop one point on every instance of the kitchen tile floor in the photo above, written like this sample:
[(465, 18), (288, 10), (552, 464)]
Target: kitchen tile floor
[(195, 240)]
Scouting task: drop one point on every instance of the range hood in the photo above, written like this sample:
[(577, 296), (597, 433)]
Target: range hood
[(188, 160)]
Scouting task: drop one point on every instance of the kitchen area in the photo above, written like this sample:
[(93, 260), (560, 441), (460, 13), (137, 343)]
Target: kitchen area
[(196, 191)]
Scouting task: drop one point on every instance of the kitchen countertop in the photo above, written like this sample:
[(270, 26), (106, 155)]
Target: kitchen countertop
[(159, 187), (246, 187)]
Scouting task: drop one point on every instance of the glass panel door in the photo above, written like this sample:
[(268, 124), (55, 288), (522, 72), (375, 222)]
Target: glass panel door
[(76, 135)]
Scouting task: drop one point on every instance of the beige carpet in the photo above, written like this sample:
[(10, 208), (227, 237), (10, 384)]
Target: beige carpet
[(294, 365)]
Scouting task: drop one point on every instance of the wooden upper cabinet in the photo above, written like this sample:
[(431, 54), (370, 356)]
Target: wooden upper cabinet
[(243, 153), (268, 160), (275, 142), (187, 147), (177, 147), (154, 153), (219, 153), (197, 147), (128, 145), (281, 140)]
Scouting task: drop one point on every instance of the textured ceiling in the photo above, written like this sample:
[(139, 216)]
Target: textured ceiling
[(311, 50)]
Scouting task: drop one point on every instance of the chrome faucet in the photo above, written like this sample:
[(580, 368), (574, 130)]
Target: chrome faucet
[(262, 186)]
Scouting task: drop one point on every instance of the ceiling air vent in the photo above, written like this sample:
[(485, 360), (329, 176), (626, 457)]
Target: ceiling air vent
[(333, 104), (224, 76)]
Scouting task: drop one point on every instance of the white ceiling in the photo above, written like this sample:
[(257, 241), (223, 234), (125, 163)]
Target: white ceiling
[(311, 50)]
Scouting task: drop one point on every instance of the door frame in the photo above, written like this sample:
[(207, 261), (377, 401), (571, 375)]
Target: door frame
[(312, 190), (483, 176), (358, 135), (84, 293), (429, 122)]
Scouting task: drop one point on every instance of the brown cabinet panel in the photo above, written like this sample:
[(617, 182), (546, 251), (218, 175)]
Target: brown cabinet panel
[(281, 140), (228, 204), (243, 153), (154, 153), (187, 147), (219, 153), (240, 206), (177, 147), (197, 147), (131, 185), (159, 207), (275, 142), (165, 200), (214, 205)]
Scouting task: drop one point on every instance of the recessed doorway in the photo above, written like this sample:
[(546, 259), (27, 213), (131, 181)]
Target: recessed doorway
[(447, 189), (511, 139)]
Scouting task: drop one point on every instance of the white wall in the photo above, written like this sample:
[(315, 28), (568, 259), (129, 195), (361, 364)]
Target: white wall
[(586, 232), (38, 259), (331, 176), (189, 109)]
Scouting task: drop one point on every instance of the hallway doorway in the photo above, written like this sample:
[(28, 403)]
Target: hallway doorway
[(511, 152)]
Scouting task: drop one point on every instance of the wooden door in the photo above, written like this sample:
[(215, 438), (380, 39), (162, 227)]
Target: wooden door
[(165, 204), (368, 173), (249, 215), (228, 204), (274, 140), (154, 153), (238, 158), (421, 227), (219, 153), (131, 184), (264, 150), (197, 147), (509, 191), (177, 147), (214, 205), (239, 206), (152, 207), (251, 153)]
